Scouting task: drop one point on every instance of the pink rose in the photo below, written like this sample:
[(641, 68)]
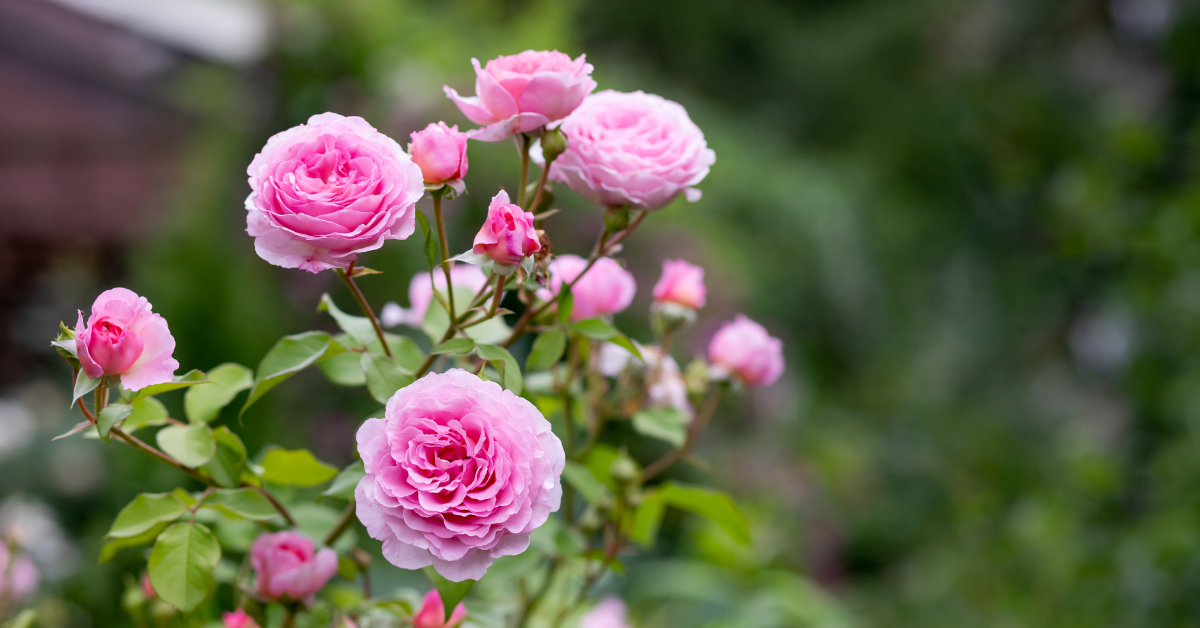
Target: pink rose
[(287, 566), (238, 619), (637, 149), (745, 349), (507, 236), (607, 288), (325, 191), (608, 613), (681, 283), (520, 93), (123, 337), (440, 151), (18, 575), (420, 293), (667, 387), (458, 473), (432, 613)]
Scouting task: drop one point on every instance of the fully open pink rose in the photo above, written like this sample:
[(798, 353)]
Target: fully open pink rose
[(325, 191), (458, 472), (606, 288), (18, 576), (432, 613), (288, 567), (507, 236), (608, 613), (681, 283), (742, 347), (238, 619), (420, 293), (522, 92), (440, 151), (636, 149), (123, 337)]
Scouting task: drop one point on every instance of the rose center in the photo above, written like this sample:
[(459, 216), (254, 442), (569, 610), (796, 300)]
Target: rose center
[(110, 332)]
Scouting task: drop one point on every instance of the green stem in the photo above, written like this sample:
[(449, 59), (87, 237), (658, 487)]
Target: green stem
[(523, 143), (347, 276), (671, 457), (343, 524), (537, 194), (532, 603), (441, 229), (500, 279)]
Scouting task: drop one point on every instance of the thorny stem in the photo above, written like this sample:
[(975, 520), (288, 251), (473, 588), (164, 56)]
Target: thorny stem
[(500, 279), (669, 458), (347, 276), (446, 263)]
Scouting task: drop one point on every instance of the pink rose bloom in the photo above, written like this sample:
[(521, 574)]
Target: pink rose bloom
[(432, 613), (238, 619), (458, 473), (18, 575), (745, 349), (440, 151), (637, 149), (123, 337), (681, 283), (420, 293), (607, 288), (608, 613), (507, 236), (287, 566), (325, 191), (522, 92)]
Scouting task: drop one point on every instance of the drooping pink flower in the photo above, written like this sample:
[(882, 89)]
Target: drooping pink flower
[(519, 93), (458, 472), (440, 151), (325, 191), (608, 613), (681, 283), (123, 337), (420, 294), (637, 149), (507, 236), (606, 288), (288, 566), (18, 575), (745, 349), (432, 613), (238, 619)]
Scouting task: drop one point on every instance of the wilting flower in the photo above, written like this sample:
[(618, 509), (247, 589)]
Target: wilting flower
[(325, 191), (238, 619), (608, 613), (519, 93), (606, 288), (681, 283), (288, 567), (458, 472), (742, 347), (440, 151), (123, 337), (420, 294), (432, 613), (507, 236), (18, 575)]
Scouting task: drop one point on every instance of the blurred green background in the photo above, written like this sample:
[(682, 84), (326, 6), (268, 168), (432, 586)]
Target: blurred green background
[(973, 223)]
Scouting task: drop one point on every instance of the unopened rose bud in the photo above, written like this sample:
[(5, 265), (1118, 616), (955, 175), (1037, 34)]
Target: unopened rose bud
[(432, 613), (623, 469), (697, 377), (238, 619), (507, 236), (440, 152), (616, 218), (744, 349), (554, 143)]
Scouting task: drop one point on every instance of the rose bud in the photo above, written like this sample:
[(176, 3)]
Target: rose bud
[(147, 588), (606, 288), (440, 151), (18, 575), (681, 283), (238, 619), (745, 349), (420, 294), (608, 613), (523, 92), (432, 613), (123, 337), (323, 192), (287, 566), (507, 236)]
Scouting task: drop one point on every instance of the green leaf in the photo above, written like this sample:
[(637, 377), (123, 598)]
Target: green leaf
[(83, 386), (243, 502), (384, 377), (344, 369), (452, 592), (110, 416), (146, 412), (565, 304), (79, 427), (203, 402), (408, 355), (192, 445), (296, 468), (547, 350), (648, 518), (595, 328), (623, 341), (191, 378), (344, 484), (144, 512), (581, 478), (504, 363), (431, 246), (460, 346), (111, 548), (227, 464), (669, 424), (711, 504), (289, 356), (600, 462), (181, 565), (347, 568), (358, 327)]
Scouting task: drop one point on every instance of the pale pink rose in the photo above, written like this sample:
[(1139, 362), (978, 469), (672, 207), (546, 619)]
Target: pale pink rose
[(608, 613), (742, 347), (636, 149), (325, 191), (289, 567), (18, 575), (606, 288), (238, 619), (522, 92), (668, 389), (440, 151), (507, 236), (458, 473), (420, 293), (432, 613), (123, 337), (681, 283)]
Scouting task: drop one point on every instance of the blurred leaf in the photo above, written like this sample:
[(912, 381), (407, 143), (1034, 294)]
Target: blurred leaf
[(243, 502), (452, 592), (600, 462), (581, 478), (24, 619), (144, 512), (623, 341), (711, 504), (191, 378), (229, 462), (459, 346), (566, 303), (295, 468), (77, 428), (344, 484), (383, 376), (181, 565), (147, 412), (669, 424), (504, 363), (202, 403), (547, 350), (110, 416), (594, 328), (347, 569), (647, 519), (290, 355), (192, 445), (431, 245), (344, 369), (358, 327)]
